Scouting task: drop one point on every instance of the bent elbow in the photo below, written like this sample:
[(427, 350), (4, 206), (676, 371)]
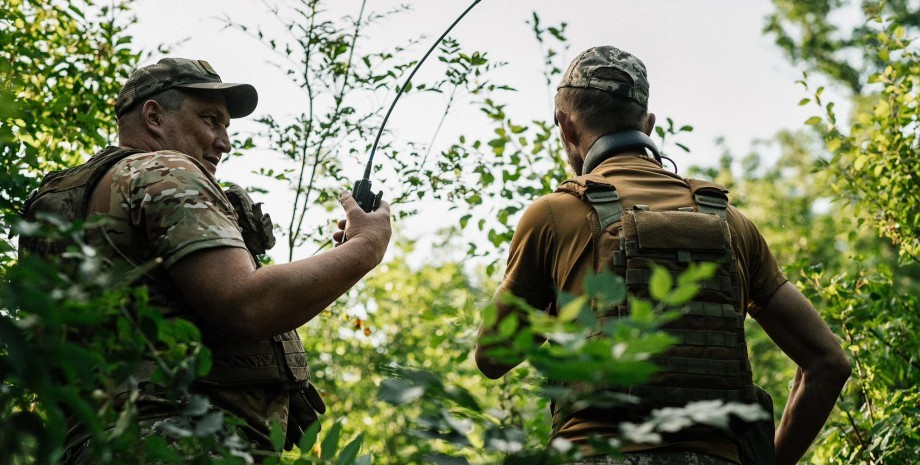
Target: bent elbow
[(487, 365), (491, 371), (834, 369), (842, 368)]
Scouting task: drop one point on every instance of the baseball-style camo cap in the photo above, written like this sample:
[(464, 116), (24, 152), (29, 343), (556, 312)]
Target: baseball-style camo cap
[(591, 70), (170, 73)]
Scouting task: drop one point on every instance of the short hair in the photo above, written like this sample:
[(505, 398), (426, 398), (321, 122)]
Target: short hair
[(169, 99), (600, 111)]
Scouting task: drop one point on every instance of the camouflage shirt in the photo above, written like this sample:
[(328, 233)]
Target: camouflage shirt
[(165, 206)]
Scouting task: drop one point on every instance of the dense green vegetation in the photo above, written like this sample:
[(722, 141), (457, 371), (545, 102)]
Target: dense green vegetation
[(393, 356)]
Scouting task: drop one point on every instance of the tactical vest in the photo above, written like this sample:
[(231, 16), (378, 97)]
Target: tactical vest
[(710, 359), (281, 359)]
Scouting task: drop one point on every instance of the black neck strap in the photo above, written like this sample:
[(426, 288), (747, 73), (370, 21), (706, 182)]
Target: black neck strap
[(618, 142)]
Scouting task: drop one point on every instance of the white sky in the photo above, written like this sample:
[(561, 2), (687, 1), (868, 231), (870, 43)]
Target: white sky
[(708, 62)]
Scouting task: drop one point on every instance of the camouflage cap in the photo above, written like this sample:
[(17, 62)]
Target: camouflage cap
[(170, 73), (590, 70)]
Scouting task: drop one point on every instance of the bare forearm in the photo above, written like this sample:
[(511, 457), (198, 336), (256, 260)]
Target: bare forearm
[(287, 296), (813, 396), (238, 300)]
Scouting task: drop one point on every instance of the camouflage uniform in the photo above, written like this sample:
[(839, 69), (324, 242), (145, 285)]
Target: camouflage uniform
[(165, 206)]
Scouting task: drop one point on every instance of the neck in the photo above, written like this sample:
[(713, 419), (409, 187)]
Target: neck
[(631, 142)]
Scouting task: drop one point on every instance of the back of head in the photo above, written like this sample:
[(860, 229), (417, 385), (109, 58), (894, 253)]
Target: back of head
[(606, 89)]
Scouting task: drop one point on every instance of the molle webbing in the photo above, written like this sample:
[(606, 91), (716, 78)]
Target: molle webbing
[(280, 359), (65, 194), (670, 397), (698, 366), (709, 359), (705, 338)]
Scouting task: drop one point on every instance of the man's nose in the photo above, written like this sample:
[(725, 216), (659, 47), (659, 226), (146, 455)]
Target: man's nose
[(222, 142)]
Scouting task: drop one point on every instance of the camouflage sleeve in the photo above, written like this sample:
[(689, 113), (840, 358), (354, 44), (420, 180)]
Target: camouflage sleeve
[(176, 203)]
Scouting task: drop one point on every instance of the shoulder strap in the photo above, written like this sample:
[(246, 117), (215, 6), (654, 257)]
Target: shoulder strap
[(600, 193), (710, 197)]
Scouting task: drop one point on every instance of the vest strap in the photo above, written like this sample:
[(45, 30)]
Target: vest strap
[(607, 205)]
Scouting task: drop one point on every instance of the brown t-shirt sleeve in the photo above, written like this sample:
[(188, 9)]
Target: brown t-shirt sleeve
[(762, 273), (529, 272)]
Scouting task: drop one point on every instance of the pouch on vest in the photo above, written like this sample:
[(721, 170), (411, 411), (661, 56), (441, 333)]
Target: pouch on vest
[(709, 360), (280, 359)]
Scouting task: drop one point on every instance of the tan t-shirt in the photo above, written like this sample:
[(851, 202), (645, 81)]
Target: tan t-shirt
[(552, 250)]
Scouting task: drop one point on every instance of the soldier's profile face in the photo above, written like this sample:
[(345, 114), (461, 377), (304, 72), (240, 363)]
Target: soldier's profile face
[(199, 128)]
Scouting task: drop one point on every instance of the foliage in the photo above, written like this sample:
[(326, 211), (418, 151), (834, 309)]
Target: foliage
[(324, 58), (62, 64), (432, 405), (819, 35), (74, 334), (393, 356), (868, 298)]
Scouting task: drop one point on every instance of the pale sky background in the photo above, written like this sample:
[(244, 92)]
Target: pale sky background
[(708, 62)]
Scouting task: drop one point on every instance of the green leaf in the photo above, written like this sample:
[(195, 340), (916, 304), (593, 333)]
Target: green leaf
[(697, 272), (508, 325), (308, 440), (641, 310), (571, 310), (209, 424), (277, 435), (660, 282), (330, 445), (606, 287), (682, 294), (399, 392), (813, 120), (350, 451)]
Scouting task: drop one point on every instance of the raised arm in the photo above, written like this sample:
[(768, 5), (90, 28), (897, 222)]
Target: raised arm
[(797, 328), (223, 286)]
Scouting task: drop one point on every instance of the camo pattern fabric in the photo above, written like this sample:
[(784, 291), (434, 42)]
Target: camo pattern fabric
[(165, 205), (655, 458), (587, 71)]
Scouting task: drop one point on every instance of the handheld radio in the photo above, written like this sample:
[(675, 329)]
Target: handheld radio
[(362, 191)]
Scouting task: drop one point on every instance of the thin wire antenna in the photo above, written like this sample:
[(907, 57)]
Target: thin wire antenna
[(370, 159)]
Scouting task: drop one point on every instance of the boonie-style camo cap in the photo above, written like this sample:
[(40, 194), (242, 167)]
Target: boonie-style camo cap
[(181, 73), (590, 71)]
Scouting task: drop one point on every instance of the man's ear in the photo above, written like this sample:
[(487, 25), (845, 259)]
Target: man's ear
[(650, 124), (152, 116), (569, 131)]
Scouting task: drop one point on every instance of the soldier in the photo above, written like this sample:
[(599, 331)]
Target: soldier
[(161, 203), (594, 222)]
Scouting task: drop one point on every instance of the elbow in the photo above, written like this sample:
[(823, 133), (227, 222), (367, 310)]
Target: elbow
[(487, 365), (842, 368), (491, 371), (834, 369)]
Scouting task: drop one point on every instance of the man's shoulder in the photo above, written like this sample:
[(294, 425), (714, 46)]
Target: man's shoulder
[(166, 169), (163, 162), (558, 201)]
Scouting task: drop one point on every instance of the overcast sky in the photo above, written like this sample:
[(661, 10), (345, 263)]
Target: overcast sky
[(708, 62)]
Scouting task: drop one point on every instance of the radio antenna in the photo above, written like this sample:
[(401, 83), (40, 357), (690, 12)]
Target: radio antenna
[(362, 190)]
